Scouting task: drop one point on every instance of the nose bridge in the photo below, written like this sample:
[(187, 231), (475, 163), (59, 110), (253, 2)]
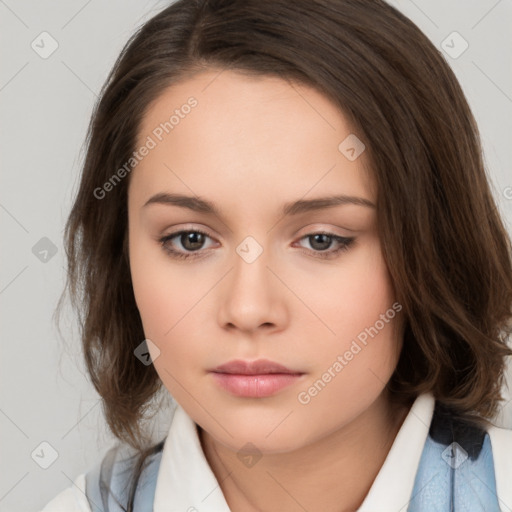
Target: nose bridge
[(250, 273), (251, 297)]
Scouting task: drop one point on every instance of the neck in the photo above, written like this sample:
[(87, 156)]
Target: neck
[(333, 474)]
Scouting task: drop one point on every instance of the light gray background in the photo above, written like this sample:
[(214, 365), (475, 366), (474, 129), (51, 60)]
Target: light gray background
[(45, 108)]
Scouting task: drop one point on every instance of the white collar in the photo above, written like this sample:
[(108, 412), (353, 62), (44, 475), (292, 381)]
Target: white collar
[(187, 483), (392, 488)]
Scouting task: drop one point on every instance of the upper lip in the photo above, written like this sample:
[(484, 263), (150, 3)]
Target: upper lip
[(258, 367)]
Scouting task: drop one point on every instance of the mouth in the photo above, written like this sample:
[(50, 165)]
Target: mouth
[(254, 379), (258, 367)]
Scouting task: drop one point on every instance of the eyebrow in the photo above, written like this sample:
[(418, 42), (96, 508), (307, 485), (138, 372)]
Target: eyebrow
[(197, 204)]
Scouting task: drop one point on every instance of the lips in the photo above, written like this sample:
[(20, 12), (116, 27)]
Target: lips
[(254, 379), (259, 367)]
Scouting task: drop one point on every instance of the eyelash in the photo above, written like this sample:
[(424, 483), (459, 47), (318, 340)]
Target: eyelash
[(345, 243)]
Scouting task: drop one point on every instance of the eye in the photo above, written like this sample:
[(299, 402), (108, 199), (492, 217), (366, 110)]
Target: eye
[(190, 240), (322, 241)]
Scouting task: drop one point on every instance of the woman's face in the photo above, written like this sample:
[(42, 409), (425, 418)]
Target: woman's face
[(261, 282)]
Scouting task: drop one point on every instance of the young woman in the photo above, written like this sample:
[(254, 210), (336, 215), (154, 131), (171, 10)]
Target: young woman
[(284, 222)]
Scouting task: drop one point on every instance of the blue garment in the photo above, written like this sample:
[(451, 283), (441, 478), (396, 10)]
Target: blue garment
[(455, 473), (456, 469), (442, 484), (107, 484)]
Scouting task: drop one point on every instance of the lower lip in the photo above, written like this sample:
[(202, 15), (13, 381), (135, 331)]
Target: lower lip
[(255, 386)]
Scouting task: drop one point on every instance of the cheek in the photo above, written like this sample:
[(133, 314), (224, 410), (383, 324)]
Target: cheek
[(351, 372), (168, 320), (355, 296), (159, 293), (167, 301), (366, 320), (159, 300), (152, 295)]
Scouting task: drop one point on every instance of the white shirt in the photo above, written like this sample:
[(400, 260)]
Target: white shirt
[(187, 483)]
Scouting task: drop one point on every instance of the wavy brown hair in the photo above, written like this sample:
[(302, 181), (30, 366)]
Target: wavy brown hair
[(446, 248)]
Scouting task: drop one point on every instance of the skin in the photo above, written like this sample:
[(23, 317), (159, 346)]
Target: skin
[(249, 146)]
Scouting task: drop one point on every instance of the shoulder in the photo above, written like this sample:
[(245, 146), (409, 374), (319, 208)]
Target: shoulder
[(501, 443), (72, 499)]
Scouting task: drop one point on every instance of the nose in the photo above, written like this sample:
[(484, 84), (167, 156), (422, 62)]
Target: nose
[(251, 297)]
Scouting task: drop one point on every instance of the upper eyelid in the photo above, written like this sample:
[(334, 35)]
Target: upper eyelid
[(205, 232), (310, 231)]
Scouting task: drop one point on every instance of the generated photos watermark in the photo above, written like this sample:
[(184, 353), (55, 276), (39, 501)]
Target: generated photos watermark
[(158, 133), (360, 342)]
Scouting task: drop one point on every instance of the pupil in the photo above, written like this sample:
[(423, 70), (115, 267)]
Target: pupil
[(192, 240), (323, 246)]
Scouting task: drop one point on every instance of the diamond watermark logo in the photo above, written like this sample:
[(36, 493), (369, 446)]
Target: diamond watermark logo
[(454, 455), (44, 455), (249, 455), (44, 250), (454, 45), (351, 147), (147, 352), (249, 250), (44, 45)]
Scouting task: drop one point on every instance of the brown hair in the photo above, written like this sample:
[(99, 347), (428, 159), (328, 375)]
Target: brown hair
[(445, 245)]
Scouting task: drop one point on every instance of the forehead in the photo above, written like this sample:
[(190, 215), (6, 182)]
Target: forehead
[(246, 135)]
